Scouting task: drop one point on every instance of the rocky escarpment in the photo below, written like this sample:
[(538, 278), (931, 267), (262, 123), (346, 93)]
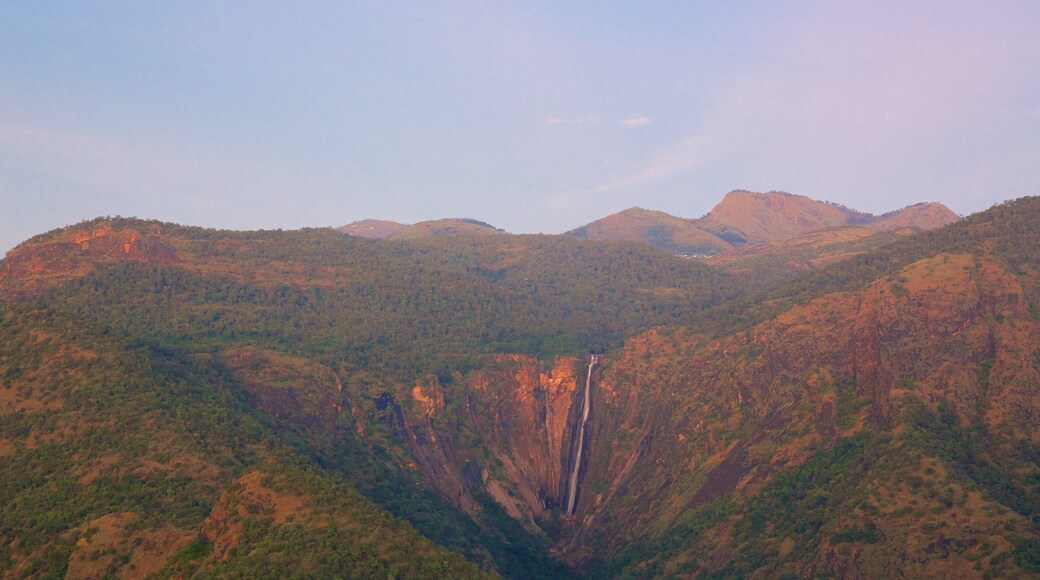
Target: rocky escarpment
[(520, 409), (77, 250)]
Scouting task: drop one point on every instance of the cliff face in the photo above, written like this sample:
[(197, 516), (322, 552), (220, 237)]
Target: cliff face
[(516, 412), (531, 402), (77, 251)]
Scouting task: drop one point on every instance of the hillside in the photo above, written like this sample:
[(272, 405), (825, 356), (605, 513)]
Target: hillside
[(922, 216), (839, 431), (884, 423), (129, 459), (773, 262), (445, 227), (874, 416), (766, 217)]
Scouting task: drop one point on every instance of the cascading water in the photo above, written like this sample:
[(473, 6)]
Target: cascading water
[(579, 444)]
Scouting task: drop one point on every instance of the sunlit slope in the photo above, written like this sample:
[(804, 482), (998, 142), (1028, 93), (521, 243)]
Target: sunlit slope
[(745, 219), (877, 418)]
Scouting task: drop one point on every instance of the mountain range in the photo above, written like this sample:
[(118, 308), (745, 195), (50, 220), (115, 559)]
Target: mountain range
[(741, 219), (782, 388)]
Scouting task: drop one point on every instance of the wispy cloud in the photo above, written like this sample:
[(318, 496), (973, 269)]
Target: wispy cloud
[(638, 121), (571, 121), (846, 91)]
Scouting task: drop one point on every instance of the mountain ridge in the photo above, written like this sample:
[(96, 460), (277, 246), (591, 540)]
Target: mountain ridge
[(740, 219)]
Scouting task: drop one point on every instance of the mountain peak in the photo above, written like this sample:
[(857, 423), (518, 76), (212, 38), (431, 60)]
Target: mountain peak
[(774, 215), (925, 216)]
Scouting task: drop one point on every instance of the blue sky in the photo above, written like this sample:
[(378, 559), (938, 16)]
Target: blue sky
[(533, 116)]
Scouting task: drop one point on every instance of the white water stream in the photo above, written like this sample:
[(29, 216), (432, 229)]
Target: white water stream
[(572, 482)]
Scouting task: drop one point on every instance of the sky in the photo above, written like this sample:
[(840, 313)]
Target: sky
[(532, 116)]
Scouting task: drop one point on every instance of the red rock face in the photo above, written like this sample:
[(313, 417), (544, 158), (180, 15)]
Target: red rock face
[(519, 405), (532, 405), (82, 249)]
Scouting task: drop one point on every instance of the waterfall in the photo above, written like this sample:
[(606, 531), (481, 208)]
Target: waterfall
[(578, 446)]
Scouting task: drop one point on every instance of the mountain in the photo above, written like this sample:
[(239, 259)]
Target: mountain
[(661, 230), (746, 218), (923, 216), (766, 217), (127, 458), (446, 227), (380, 229), (185, 401)]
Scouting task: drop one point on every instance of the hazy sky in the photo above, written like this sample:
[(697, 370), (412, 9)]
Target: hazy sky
[(533, 116)]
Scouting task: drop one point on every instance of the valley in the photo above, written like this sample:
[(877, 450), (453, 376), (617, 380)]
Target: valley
[(782, 388)]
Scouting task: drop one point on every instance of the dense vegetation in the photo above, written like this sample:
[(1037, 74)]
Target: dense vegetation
[(403, 309), (111, 426), (379, 314), (123, 425)]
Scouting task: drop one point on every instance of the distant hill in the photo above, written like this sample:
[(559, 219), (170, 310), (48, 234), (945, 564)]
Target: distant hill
[(445, 227), (745, 218), (741, 219), (661, 230), (372, 228), (766, 217), (924, 216), (380, 229)]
